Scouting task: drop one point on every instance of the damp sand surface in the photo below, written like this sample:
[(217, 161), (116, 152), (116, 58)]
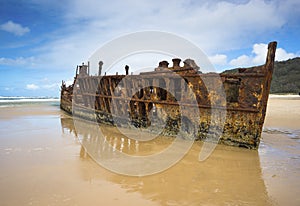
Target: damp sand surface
[(44, 163)]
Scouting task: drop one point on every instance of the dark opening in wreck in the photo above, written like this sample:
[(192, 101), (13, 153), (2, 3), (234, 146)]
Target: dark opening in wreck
[(165, 97)]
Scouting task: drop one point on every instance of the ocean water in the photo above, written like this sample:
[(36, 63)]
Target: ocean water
[(11, 101)]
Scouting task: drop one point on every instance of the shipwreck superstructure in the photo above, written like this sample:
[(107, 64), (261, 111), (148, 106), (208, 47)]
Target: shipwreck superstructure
[(181, 98)]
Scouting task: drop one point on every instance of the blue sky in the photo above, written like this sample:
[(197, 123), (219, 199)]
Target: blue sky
[(42, 41)]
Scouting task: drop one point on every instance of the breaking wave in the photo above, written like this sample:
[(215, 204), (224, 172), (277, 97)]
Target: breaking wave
[(20, 100)]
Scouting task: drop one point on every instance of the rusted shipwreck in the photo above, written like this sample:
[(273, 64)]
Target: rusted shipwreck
[(181, 98)]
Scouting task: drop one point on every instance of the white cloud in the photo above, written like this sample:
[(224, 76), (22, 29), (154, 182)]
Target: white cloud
[(258, 56), (260, 53), (44, 84), (69, 82), (214, 27), (19, 61), (32, 87), (14, 28), (218, 59), (281, 55), (243, 60)]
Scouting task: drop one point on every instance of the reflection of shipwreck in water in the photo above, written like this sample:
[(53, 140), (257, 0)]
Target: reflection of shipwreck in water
[(107, 140), (180, 98), (231, 176)]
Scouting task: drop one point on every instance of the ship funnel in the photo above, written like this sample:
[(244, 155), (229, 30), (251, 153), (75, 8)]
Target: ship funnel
[(164, 64), (176, 63)]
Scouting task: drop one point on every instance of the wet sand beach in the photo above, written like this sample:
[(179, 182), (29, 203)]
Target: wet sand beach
[(43, 163)]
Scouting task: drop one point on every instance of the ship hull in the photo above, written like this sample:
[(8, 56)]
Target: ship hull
[(228, 108)]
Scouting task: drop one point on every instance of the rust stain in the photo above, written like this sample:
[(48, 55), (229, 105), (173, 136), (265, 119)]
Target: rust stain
[(246, 96)]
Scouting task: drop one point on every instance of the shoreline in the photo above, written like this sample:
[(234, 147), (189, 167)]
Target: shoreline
[(279, 96)]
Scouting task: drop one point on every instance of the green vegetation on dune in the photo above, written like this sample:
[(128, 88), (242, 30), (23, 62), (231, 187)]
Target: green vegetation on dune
[(286, 77)]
